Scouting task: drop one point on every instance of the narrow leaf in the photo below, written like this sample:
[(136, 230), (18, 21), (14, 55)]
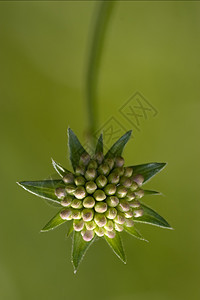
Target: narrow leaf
[(118, 147), (134, 232), (75, 148), (149, 192), (53, 223), (44, 189), (117, 246), (99, 146), (70, 229), (152, 217), (148, 170), (59, 169), (79, 248)]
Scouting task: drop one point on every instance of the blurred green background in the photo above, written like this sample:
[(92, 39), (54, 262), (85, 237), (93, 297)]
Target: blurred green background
[(150, 47)]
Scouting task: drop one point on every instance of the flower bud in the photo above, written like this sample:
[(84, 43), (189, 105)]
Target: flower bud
[(80, 180), (87, 215), (89, 202), (78, 225), (123, 205), (80, 170), (110, 189), (84, 159), (91, 187), (66, 214), (76, 214), (90, 225), (99, 195), (121, 191), (134, 204), (112, 201), (133, 186), (113, 178), (80, 192), (88, 235), (139, 179), (99, 231), (90, 174), (68, 178), (104, 169), (66, 201), (101, 181), (119, 227), (139, 194), (110, 234), (100, 220), (92, 164), (128, 214), (128, 172), (99, 157), (76, 204), (70, 189), (130, 196), (60, 192), (129, 223), (127, 182), (119, 162), (138, 213), (109, 225), (100, 207), (111, 213), (120, 219), (110, 162)]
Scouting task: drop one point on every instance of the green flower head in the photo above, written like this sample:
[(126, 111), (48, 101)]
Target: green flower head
[(100, 198)]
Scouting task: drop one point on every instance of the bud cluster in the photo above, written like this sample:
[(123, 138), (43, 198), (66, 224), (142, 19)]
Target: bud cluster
[(101, 197)]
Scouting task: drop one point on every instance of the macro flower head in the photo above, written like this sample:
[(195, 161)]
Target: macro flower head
[(100, 198)]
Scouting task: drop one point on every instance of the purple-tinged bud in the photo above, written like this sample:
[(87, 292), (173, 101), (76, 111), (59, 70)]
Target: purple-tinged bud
[(119, 227), (110, 234), (91, 187), (80, 170), (99, 195), (110, 189), (90, 174), (133, 186), (88, 235), (111, 213), (113, 178), (109, 225), (110, 162), (66, 214), (66, 201), (68, 178), (80, 180), (92, 164), (138, 213), (60, 193), (139, 194), (99, 231), (84, 159), (87, 215), (70, 189), (112, 201), (139, 179), (104, 169), (100, 220), (128, 172), (99, 157), (119, 162), (130, 196), (128, 214), (123, 206), (129, 223), (78, 225), (121, 191), (76, 214), (134, 204), (80, 192), (90, 225), (120, 219), (127, 182), (76, 204), (89, 202), (101, 181), (100, 207)]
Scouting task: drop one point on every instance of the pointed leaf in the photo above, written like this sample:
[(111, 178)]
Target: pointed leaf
[(79, 248), (148, 170), (152, 217), (59, 169), (134, 232), (70, 229), (99, 146), (149, 192), (75, 148), (53, 223), (118, 147), (117, 246), (44, 189)]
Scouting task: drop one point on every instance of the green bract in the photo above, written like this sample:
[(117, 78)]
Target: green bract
[(100, 198)]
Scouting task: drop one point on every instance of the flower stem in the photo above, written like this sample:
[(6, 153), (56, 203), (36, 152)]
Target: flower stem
[(98, 36)]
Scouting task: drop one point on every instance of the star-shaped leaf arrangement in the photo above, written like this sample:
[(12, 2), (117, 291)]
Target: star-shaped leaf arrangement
[(100, 198)]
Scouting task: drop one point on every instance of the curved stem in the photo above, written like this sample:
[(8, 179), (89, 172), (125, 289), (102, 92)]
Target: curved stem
[(101, 21)]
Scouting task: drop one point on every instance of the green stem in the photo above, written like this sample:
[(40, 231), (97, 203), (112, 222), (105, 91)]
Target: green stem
[(98, 37)]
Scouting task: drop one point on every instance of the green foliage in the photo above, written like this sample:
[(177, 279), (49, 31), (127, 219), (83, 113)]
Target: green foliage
[(117, 246)]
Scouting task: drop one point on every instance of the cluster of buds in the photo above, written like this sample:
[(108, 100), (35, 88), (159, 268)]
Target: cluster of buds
[(101, 197)]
